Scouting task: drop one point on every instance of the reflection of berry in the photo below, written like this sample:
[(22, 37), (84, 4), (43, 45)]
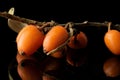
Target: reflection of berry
[(19, 58), (111, 67), (29, 70), (75, 57), (51, 64)]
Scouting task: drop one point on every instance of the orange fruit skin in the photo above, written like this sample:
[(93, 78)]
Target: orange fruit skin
[(54, 38), (58, 54), (80, 42), (112, 41), (29, 39)]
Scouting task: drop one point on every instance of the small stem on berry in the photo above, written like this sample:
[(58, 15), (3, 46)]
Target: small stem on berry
[(109, 26)]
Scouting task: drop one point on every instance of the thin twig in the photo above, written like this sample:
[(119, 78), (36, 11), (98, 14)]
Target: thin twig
[(17, 18), (29, 21)]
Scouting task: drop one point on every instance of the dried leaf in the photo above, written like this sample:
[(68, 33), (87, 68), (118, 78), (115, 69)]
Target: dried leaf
[(13, 24)]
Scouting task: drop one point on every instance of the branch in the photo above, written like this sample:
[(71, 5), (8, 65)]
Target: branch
[(17, 18), (29, 21)]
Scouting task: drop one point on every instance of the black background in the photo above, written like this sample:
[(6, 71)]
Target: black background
[(61, 12)]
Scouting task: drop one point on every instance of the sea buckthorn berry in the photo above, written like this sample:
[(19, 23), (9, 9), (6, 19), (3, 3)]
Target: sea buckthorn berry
[(58, 54), (112, 41), (29, 39), (78, 41), (54, 38)]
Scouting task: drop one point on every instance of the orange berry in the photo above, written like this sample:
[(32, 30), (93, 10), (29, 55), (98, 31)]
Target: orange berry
[(29, 39), (78, 41), (54, 38), (57, 54), (112, 42)]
